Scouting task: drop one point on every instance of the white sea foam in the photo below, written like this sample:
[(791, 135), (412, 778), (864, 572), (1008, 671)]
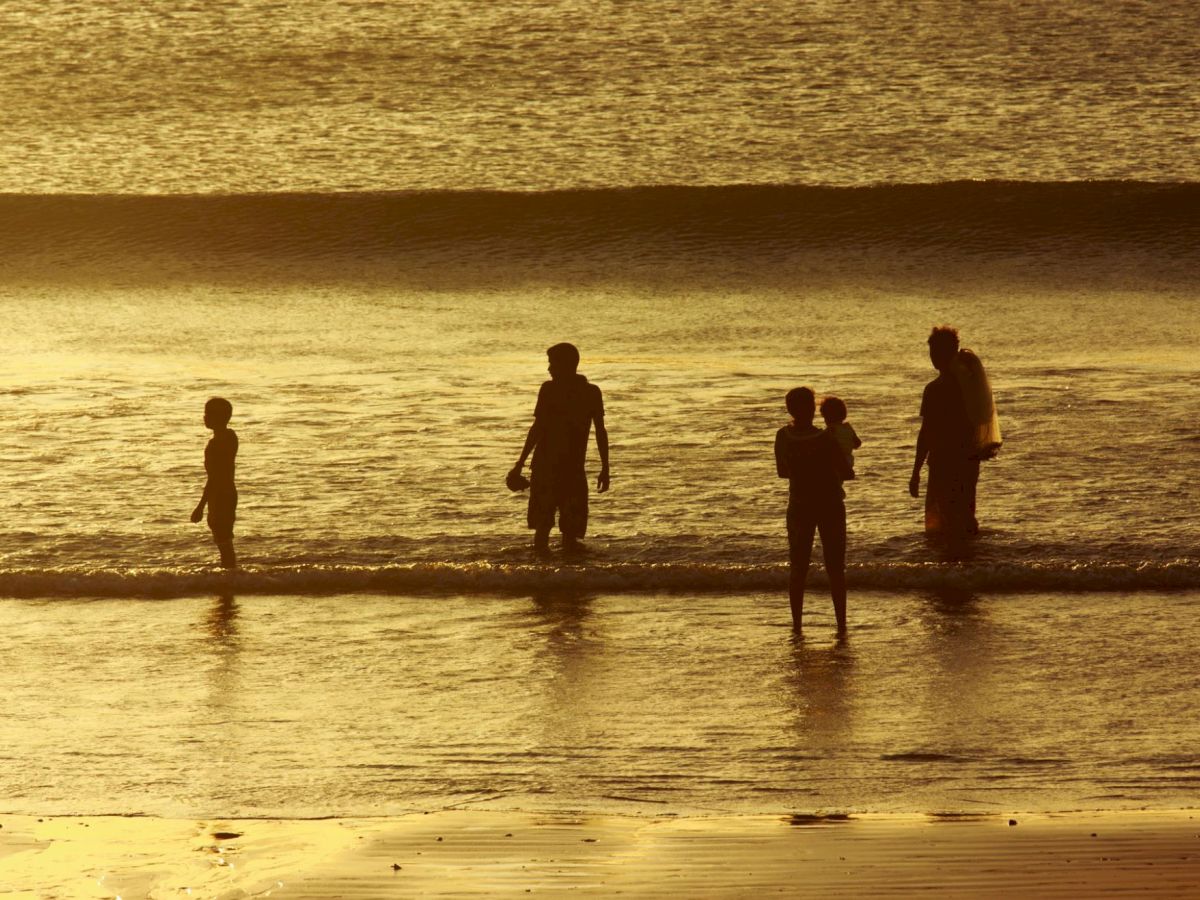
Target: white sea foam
[(486, 578)]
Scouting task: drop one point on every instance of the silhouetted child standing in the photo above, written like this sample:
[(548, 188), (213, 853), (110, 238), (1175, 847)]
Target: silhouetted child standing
[(833, 411), (567, 406), (220, 493)]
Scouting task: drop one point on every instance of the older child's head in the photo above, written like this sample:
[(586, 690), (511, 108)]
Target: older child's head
[(801, 403), (217, 412), (833, 411)]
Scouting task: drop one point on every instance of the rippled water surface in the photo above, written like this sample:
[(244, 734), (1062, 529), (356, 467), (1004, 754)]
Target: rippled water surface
[(377, 421), (367, 705), (1027, 174), (252, 95)]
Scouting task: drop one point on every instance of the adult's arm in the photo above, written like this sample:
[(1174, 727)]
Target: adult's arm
[(914, 483), (531, 440)]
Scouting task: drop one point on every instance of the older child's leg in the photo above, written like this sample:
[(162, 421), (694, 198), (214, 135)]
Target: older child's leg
[(832, 525), (800, 527)]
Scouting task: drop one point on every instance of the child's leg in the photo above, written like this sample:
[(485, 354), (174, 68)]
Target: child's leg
[(221, 516), (228, 557)]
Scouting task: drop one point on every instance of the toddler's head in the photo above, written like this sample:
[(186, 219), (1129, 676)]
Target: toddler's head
[(833, 411)]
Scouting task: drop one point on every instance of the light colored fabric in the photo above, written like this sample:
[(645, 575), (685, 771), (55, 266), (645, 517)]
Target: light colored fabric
[(981, 407)]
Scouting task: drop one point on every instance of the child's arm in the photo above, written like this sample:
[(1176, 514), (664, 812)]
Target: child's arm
[(198, 512), (781, 461), (854, 434)]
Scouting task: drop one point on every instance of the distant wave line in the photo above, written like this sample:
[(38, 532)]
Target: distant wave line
[(616, 578), (642, 223)]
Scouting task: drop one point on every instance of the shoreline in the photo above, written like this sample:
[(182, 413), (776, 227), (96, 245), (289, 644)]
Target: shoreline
[(472, 852)]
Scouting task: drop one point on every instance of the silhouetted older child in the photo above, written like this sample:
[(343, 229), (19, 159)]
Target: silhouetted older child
[(833, 411), (220, 493), (813, 465), (567, 405)]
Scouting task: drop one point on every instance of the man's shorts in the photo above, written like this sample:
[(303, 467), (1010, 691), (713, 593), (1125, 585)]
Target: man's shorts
[(562, 493)]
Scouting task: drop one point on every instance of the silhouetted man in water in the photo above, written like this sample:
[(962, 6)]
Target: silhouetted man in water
[(567, 405), (814, 465), (946, 441), (220, 493)]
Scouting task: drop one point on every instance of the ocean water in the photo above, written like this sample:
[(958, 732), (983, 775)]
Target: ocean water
[(351, 95), (383, 371), (363, 223), (300, 706)]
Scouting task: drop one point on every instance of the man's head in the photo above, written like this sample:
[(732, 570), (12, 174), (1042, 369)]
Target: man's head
[(833, 411), (943, 346), (564, 360), (802, 404), (217, 412)]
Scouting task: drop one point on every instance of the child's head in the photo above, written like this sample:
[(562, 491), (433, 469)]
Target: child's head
[(217, 412), (801, 403), (833, 411), (564, 360)]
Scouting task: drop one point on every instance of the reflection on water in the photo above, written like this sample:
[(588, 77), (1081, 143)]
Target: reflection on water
[(821, 679), (567, 708), (562, 616), (218, 727), (222, 622), (373, 705)]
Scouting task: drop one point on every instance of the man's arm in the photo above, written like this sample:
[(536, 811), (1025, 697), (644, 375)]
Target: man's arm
[(531, 439), (602, 445)]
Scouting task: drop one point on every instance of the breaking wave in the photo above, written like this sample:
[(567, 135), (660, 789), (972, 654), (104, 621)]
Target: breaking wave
[(488, 578), (543, 231)]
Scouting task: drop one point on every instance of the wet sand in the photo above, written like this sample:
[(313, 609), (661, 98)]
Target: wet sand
[(502, 853)]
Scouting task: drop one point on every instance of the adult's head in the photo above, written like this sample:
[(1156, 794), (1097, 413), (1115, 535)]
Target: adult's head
[(217, 412), (802, 404), (943, 346), (564, 360)]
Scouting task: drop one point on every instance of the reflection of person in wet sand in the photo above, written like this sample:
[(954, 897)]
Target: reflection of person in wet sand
[(220, 493), (958, 428), (814, 465), (567, 405)]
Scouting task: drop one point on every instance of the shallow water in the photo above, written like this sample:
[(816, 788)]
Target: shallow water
[(371, 705), (377, 419)]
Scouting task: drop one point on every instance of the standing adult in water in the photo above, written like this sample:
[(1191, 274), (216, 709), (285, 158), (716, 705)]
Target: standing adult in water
[(567, 405), (810, 459), (946, 441), (220, 493)]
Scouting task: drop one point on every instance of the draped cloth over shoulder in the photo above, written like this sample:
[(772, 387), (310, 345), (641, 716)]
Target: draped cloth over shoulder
[(985, 436)]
